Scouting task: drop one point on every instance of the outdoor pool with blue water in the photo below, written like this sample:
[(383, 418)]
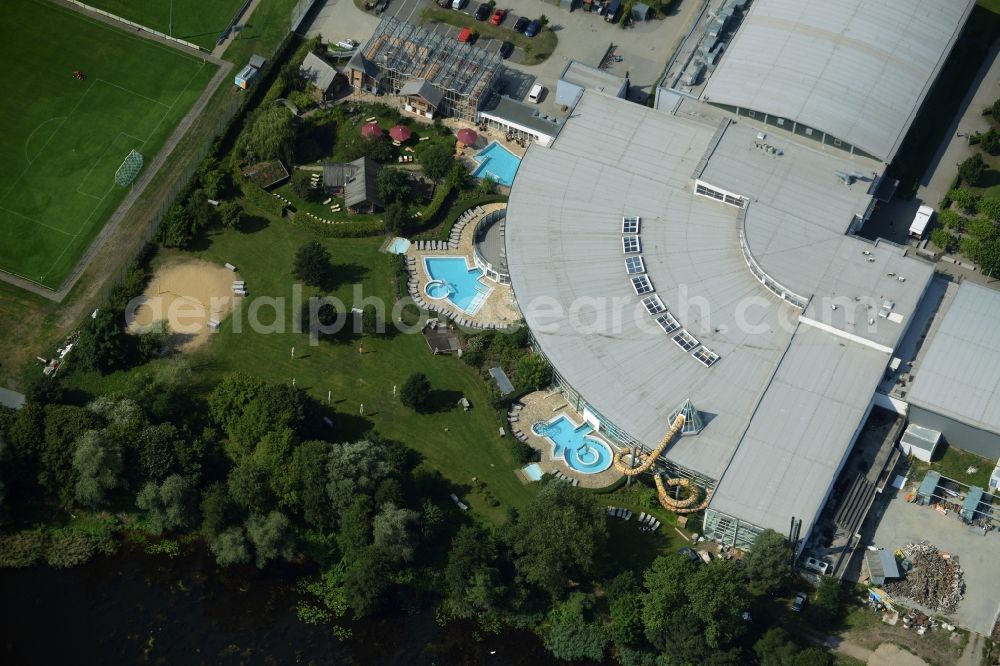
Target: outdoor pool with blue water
[(497, 163), (399, 246), (452, 278), (583, 454)]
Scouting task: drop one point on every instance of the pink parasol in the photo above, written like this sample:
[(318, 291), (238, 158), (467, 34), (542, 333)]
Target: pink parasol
[(467, 136), (401, 133), (371, 131)]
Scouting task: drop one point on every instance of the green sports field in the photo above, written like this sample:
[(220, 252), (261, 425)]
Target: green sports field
[(197, 21), (62, 139)]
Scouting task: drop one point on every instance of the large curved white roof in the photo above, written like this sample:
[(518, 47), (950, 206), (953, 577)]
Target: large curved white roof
[(855, 69), (786, 397)]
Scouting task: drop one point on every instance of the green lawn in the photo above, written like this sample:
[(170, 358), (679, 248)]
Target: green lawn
[(953, 463), (991, 5), (461, 445), (197, 21), (536, 49), (262, 33), (64, 138)]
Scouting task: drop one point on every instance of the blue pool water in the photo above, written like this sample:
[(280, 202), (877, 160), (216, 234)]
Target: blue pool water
[(497, 163), (399, 246), (583, 454), (452, 278), (533, 471)]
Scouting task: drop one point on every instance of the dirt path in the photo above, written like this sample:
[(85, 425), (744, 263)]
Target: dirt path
[(221, 48), (973, 653), (888, 654)]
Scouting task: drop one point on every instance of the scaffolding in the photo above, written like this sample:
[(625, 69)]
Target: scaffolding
[(462, 73)]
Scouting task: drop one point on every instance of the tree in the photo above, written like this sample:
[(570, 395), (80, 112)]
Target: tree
[(176, 228), (249, 487), (201, 213), (230, 547), (64, 424), (416, 392), (942, 239), (301, 184), (972, 170), (990, 207), (964, 198), (393, 185), (97, 462), (665, 599), (101, 345), (356, 468), (436, 161), (625, 609), (273, 455), (718, 596), (396, 217), (312, 264), (951, 220), (570, 636), (828, 604), (775, 648), (394, 532), (472, 581), (170, 505), (769, 564), (310, 462), (270, 135), (544, 20), (366, 581), (558, 537), (218, 510), (533, 372), (271, 537), (231, 214), (157, 445)]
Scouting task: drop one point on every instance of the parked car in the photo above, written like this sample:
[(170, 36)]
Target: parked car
[(498, 16), (521, 24), (482, 12), (536, 92), (459, 4), (533, 28), (689, 553), (506, 49), (798, 602), (465, 35)]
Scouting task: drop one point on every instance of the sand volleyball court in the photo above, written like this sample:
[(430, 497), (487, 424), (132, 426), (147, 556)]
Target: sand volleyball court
[(187, 294)]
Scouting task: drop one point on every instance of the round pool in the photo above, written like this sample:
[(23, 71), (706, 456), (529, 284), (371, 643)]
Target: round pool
[(437, 290), (591, 457)]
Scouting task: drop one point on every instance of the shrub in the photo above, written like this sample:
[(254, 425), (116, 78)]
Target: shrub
[(965, 199), (301, 184), (951, 220), (533, 372), (473, 358), (21, 549), (972, 170), (990, 142), (942, 239), (312, 264), (523, 452), (69, 549)]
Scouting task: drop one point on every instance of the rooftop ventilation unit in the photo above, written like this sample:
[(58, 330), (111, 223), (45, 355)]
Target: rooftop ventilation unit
[(693, 423)]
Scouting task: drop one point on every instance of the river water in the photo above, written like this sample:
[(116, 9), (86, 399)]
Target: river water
[(137, 608)]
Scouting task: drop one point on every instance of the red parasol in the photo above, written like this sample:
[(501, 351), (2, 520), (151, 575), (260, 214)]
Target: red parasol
[(467, 136), (371, 131), (401, 133)]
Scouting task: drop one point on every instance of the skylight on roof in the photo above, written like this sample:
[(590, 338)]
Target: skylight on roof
[(706, 356), (653, 304), (685, 340), (642, 285), (630, 244), (630, 225), (634, 265), (667, 323)]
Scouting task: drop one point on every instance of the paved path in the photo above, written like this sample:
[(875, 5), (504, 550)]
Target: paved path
[(221, 48), (955, 148), (151, 169)]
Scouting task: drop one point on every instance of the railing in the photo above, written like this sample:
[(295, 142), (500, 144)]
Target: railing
[(497, 274), (772, 285)]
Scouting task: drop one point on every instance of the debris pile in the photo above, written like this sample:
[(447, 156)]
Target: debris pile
[(935, 581)]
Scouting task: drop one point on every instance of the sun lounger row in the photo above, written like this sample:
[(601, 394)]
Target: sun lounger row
[(433, 245), (282, 198), (562, 477), (647, 523), (404, 159), (616, 512)]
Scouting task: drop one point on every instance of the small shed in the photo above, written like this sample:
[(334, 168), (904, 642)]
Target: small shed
[(928, 487), (421, 97), (881, 566), (246, 75), (919, 442), (321, 74), (360, 192), (641, 12), (503, 383)]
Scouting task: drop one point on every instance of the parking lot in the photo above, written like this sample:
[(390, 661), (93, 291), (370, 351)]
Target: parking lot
[(893, 523), (643, 49)]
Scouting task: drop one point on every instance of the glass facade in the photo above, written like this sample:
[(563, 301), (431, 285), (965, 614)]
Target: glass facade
[(729, 530)]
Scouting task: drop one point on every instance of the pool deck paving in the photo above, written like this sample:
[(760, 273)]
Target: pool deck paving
[(499, 310), (545, 406)]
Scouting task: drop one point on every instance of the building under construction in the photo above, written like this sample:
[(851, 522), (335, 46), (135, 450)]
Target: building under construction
[(430, 70)]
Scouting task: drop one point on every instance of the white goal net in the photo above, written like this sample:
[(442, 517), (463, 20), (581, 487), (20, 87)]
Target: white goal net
[(129, 169)]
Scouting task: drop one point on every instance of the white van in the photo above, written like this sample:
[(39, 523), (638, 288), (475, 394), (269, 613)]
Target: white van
[(536, 93)]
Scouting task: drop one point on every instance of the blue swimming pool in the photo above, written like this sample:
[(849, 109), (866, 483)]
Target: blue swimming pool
[(583, 454), (533, 472), (497, 163), (453, 279), (399, 245)]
